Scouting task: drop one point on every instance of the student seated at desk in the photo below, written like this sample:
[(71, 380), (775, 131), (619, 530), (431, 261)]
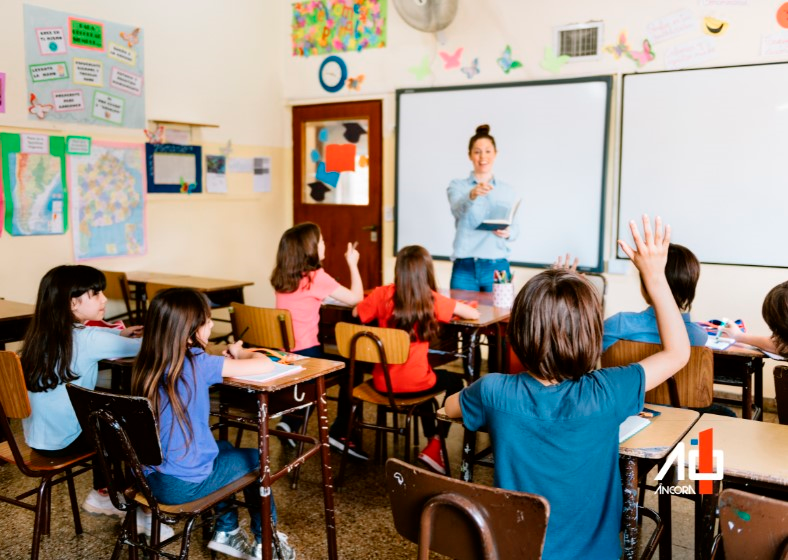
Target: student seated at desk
[(174, 373), (775, 313), (554, 427), (412, 304)]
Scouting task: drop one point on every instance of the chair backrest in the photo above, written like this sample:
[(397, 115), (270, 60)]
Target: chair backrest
[(752, 526), (152, 288), (781, 393), (125, 431), (693, 385), (262, 326), (13, 391), (464, 520), (395, 343), (118, 289)]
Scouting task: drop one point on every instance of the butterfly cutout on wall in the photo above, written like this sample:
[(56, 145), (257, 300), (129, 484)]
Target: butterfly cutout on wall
[(451, 60), (551, 62), (355, 83), (506, 62), (188, 188), (422, 70), (37, 108), (155, 136), (227, 150), (620, 49), (472, 70), (131, 38), (643, 57)]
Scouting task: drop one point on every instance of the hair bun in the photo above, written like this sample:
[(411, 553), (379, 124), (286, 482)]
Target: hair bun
[(483, 129)]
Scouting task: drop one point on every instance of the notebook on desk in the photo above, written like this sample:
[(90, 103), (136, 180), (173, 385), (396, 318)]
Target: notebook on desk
[(631, 426), (280, 370), (718, 344)]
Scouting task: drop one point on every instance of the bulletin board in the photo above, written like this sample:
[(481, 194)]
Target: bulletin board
[(552, 149), (83, 70)]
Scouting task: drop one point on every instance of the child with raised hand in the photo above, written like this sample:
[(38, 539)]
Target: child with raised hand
[(554, 427), (301, 284), (58, 348), (413, 305), (174, 372), (775, 313)]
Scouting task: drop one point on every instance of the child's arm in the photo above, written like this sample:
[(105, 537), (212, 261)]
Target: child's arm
[(132, 332), (238, 361), (762, 342), (452, 406), (465, 311), (356, 292), (650, 257)]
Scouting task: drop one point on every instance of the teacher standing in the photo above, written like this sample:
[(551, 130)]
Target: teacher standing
[(478, 197)]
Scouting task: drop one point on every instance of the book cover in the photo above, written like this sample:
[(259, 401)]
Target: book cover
[(631, 426), (494, 225)]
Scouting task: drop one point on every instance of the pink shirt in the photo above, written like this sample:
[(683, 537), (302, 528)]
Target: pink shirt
[(304, 306)]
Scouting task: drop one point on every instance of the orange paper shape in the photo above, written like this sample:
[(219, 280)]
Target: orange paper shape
[(341, 157)]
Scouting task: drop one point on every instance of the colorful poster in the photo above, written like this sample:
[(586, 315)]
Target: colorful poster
[(215, 174), (327, 26), (86, 71), (35, 192), (173, 168), (108, 200)]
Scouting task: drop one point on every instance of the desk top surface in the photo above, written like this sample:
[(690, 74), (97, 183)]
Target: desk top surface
[(10, 310), (313, 368), (738, 349), (198, 283), (657, 439), (752, 450)]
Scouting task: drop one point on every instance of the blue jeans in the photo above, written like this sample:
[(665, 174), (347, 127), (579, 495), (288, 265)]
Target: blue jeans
[(231, 464), (476, 275)]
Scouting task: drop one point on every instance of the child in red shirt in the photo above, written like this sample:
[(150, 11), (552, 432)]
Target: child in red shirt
[(413, 305)]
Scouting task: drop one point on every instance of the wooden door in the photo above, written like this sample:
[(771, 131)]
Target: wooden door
[(338, 181)]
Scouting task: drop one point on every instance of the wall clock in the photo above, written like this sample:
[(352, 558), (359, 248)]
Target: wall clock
[(332, 74)]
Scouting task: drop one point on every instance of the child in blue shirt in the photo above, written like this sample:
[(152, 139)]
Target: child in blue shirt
[(174, 373), (554, 427)]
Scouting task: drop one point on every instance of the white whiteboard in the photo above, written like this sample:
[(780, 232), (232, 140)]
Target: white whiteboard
[(708, 151), (551, 139)]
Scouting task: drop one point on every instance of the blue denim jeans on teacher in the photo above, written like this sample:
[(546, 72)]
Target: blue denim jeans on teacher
[(231, 464), (476, 275)]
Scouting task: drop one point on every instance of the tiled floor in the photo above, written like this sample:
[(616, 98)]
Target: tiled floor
[(364, 525)]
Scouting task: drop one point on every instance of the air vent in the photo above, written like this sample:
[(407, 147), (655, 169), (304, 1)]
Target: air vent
[(581, 41)]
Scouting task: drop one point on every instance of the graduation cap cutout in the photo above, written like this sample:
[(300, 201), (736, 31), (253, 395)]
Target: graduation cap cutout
[(353, 131), (318, 190)]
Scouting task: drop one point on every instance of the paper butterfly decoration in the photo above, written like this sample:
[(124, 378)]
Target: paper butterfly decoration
[(621, 49), (505, 61), (451, 60), (551, 62), (188, 188), (355, 83), (227, 150), (37, 108), (156, 136), (131, 38), (643, 57), (472, 70), (422, 70)]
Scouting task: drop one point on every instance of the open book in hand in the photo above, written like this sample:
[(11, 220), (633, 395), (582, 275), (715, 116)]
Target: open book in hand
[(503, 223), (280, 370)]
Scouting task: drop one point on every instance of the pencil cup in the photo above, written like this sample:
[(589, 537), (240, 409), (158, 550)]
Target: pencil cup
[(503, 295)]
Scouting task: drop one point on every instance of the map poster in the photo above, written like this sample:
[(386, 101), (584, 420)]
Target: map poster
[(36, 200), (108, 188)]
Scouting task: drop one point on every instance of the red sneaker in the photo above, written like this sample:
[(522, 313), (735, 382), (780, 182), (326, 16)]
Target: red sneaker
[(432, 456)]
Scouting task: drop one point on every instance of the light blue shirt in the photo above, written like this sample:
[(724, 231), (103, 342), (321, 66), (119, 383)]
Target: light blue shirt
[(642, 327), (53, 424), (470, 242)]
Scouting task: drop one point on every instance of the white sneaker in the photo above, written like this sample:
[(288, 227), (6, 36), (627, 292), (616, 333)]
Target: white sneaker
[(287, 551), (232, 543), (101, 504), (144, 522)]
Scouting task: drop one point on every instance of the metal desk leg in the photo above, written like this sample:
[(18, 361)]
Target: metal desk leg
[(629, 474), (757, 369), (265, 474), (663, 507), (325, 459), (468, 455), (469, 362)]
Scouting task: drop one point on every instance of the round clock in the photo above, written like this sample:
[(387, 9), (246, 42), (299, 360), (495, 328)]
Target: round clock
[(332, 74)]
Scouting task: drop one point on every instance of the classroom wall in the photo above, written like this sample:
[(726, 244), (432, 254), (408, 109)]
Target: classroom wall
[(483, 28), (205, 62)]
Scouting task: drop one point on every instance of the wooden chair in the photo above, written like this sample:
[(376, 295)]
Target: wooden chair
[(261, 326), (15, 404), (464, 520), (752, 527), (125, 432), (781, 393), (118, 289), (385, 347), (692, 386)]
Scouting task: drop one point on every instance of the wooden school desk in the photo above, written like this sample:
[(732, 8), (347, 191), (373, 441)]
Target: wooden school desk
[(755, 454), (291, 392), (739, 365), (14, 319)]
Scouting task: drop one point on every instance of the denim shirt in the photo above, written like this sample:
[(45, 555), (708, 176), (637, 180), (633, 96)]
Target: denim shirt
[(642, 327), (470, 242)]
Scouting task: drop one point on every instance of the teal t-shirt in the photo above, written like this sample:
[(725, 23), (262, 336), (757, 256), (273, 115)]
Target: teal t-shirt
[(561, 442)]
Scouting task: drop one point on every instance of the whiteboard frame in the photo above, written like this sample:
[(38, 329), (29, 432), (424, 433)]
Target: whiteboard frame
[(607, 80)]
